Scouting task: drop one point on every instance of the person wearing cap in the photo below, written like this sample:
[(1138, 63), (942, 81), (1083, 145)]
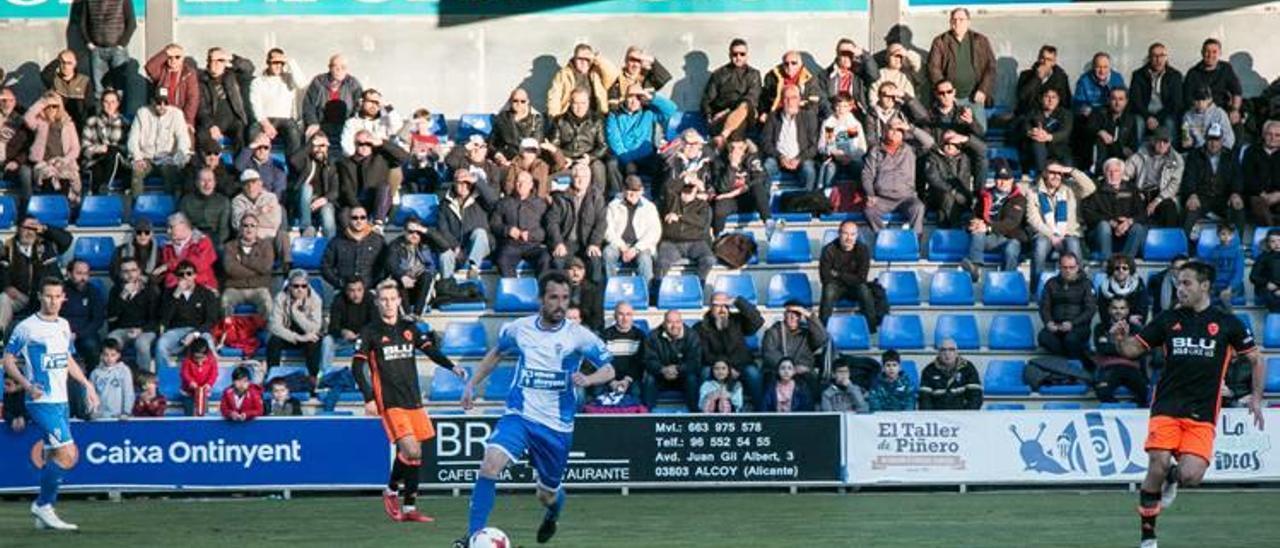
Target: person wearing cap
[(518, 224), (889, 183), (1044, 74), (999, 222), (331, 98), (948, 122), (1044, 134), (575, 225), (517, 121), (965, 58), (1213, 183), (789, 142), (1155, 90), (186, 245), (209, 156), (224, 84), (692, 161), (208, 210), (249, 263), (368, 177), (1115, 213), (1158, 168), (296, 323), (272, 96), (1093, 88), (409, 260), (487, 175), (168, 69), (1053, 215), (798, 338), (357, 251), (585, 295), (732, 94), (102, 144), (1217, 75), (629, 130), (528, 160), (253, 198), (464, 224), (740, 183), (949, 182), (1203, 114), (788, 73), (900, 64), (686, 232), (1113, 131), (133, 312), (159, 144), (257, 157), (188, 310), (141, 246), (25, 259), (722, 335), (578, 136), (632, 230), (316, 185), (1262, 175), (586, 71), (854, 68)]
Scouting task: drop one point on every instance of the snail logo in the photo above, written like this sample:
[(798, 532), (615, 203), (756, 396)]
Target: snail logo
[(1072, 453)]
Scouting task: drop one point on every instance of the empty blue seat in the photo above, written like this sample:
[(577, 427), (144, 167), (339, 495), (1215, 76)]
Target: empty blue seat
[(911, 371), (98, 211), (474, 124), (1004, 378), (963, 328), (1004, 288), (308, 252), (516, 295), (1271, 331), (1011, 332), (788, 246), (680, 291), (1062, 406), (1272, 384), (8, 212), (631, 289), (896, 245), (736, 285), (948, 245), (1002, 406), (50, 209), (901, 332), (425, 206), (1118, 405), (96, 250), (951, 288), (787, 286), (849, 332), (901, 287), (464, 339), (1044, 279), (474, 306), (447, 386), (1163, 244), (154, 206), (683, 120), (499, 383)]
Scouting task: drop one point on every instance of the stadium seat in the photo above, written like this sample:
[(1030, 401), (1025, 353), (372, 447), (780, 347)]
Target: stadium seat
[(948, 245), (516, 295), (683, 120), (154, 206), (901, 287), (1207, 240), (626, 288), (439, 127), (308, 252), (101, 211), (1062, 406), (8, 212), (963, 328), (786, 286), (1011, 332), (425, 206), (499, 383), (849, 332), (776, 210), (465, 339), (680, 291), (789, 246), (1004, 378), (1260, 240), (896, 245), (474, 124), (50, 209), (951, 288), (911, 371), (901, 332), (1271, 331), (1073, 389), (446, 386), (736, 285), (1004, 288), (96, 250), (1272, 384), (474, 306), (1163, 244), (1002, 406), (1118, 405), (1044, 278)]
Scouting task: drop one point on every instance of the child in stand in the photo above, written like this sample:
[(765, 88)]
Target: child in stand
[(114, 382), (242, 401), (843, 395), (282, 403), (1228, 261), (721, 393), (787, 395), (149, 402), (199, 373), (892, 391), (1266, 272)]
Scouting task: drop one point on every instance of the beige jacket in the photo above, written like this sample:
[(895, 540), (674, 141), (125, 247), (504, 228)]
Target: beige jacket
[(1072, 192)]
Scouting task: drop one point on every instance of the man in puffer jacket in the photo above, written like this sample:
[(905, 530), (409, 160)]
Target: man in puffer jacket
[(464, 222), (353, 253)]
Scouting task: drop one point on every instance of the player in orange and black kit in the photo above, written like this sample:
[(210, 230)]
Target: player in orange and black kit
[(1199, 342), (386, 370)]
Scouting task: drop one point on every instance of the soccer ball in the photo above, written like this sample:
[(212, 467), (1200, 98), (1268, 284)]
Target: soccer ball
[(490, 537)]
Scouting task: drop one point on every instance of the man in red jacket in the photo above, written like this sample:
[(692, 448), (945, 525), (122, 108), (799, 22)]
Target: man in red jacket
[(242, 401), (191, 245)]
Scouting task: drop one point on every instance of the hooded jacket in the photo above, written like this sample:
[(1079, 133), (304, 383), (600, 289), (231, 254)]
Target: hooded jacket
[(633, 136)]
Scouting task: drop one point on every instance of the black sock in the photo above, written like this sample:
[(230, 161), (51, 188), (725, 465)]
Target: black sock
[(411, 478), (1149, 509), (397, 473)]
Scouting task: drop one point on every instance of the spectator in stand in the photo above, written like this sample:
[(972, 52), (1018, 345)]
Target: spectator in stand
[(102, 145), (692, 160), (106, 27), (720, 393), (673, 359), (528, 160), (1053, 214), (1265, 275), (1261, 171), (257, 157), (891, 390), (516, 122), (585, 295), (587, 71), (380, 121), (966, 59), (356, 252), (632, 231), (425, 169), (1113, 131), (1115, 213), (1044, 74), (369, 177), (852, 71), (248, 263), (149, 401), (296, 323), (85, 309), (209, 156), (1203, 115), (625, 342), (889, 183), (281, 403), (1044, 134), (950, 382), (266, 210), (798, 339), (242, 401), (722, 335), (1217, 75), (999, 222), (901, 65), (1114, 370), (949, 122), (273, 98), (114, 382), (843, 395), (208, 209), (843, 267), (893, 109), (634, 129), (331, 98), (786, 394), (15, 144), (1093, 88), (578, 137), (686, 232), (25, 259), (168, 69), (464, 223), (75, 89), (487, 176), (789, 141), (188, 311), (199, 373), (640, 68), (133, 313), (575, 225), (1212, 183), (1157, 169), (740, 182), (1156, 91), (791, 72), (1123, 282), (141, 247), (1164, 286), (518, 223), (55, 149), (843, 142), (159, 144), (1228, 264), (349, 311), (949, 182), (1067, 305), (731, 95), (224, 85), (409, 261)]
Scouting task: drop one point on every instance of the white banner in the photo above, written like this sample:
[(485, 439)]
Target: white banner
[(1088, 446)]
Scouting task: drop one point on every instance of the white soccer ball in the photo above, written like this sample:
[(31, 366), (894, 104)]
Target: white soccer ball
[(490, 537)]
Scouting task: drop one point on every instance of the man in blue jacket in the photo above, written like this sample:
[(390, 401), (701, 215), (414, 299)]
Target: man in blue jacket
[(632, 131)]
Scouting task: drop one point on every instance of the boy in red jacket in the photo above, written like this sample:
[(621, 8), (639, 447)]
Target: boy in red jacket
[(199, 373), (243, 400), (150, 402)]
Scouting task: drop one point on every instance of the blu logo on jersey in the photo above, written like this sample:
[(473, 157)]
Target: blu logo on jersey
[(1193, 346)]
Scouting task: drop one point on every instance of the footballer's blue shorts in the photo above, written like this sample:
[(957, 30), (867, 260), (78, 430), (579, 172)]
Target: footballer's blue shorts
[(53, 420), (548, 449)]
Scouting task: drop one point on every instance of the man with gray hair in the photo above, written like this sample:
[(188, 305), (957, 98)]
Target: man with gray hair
[(248, 262), (950, 382), (1115, 212), (295, 323), (187, 244)]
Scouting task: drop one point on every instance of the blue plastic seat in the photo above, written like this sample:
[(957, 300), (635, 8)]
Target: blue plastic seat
[(8, 212), (951, 288), (948, 245), (154, 206), (1118, 405), (1074, 389), (1003, 406), (901, 287), (96, 250), (308, 252), (1044, 279), (901, 332), (1004, 378), (516, 295), (680, 291), (1062, 406), (1272, 384), (963, 328), (736, 285), (786, 286), (1011, 332), (1271, 331), (499, 383), (425, 206), (896, 245), (1163, 244), (775, 207), (911, 371), (475, 306), (631, 289), (101, 211), (447, 386), (849, 332), (50, 209), (683, 120), (1004, 288), (788, 246), (438, 126), (474, 124), (465, 339)]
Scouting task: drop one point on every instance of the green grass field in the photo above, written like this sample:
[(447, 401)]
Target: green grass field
[(752, 518)]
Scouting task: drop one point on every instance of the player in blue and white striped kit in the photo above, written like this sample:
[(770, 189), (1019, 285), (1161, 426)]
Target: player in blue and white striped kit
[(44, 341), (542, 401)]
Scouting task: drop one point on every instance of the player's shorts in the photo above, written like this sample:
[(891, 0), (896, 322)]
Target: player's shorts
[(1182, 436), (401, 423), (53, 421), (548, 449)]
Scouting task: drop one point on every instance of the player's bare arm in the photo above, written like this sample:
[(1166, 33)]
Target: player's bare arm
[(486, 366), (602, 375), (1259, 383), (11, 369), (90, 393)]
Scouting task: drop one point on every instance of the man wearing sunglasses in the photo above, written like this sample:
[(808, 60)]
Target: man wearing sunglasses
[(224, 84), (353, 253), (516, 122), (188, 311), (588, 71), (169, 69), (25, 259), (371, 175), (271, 95), (296, 322), (732, 93), (792, 72)]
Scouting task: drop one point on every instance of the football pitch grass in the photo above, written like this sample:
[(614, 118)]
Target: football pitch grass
[(1200, 519)]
